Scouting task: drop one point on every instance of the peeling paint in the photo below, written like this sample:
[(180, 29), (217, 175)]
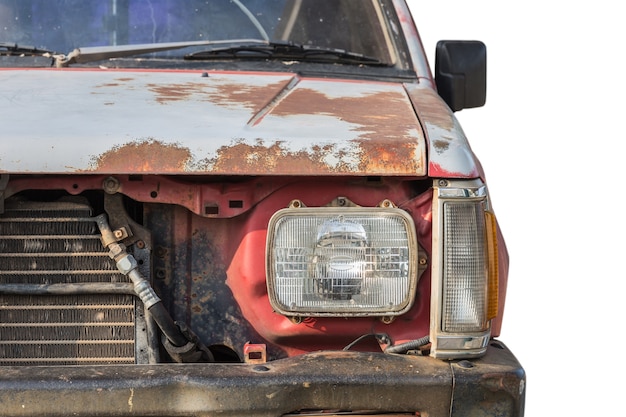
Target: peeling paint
[(226, 94), (381, 115), (174, 92), (251, 97)]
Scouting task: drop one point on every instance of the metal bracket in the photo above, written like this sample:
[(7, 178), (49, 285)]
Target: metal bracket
[(124, 228), (255, 353), (4, 181)]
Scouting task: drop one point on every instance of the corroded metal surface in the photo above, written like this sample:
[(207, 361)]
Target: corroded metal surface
[(449, 152), (491, 386), (148, 156), (105, 121), (346, 381)]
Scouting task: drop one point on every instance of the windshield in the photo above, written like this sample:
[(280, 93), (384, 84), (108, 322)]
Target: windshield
[(354, 26)]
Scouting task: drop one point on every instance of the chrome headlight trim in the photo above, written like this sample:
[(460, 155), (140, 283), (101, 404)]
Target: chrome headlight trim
[(460, 346), (342, 261)]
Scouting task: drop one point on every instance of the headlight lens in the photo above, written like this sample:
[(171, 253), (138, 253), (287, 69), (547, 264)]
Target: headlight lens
[(347, 261)]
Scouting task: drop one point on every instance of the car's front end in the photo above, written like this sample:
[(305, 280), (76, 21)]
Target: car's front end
[(268, 222)]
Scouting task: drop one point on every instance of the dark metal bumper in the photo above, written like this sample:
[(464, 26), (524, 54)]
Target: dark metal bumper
[(346, 381)]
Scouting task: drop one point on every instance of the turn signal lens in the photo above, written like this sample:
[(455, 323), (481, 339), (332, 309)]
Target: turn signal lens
[(464, 267), (492, 278)]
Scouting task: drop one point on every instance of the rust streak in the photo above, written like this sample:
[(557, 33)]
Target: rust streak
[(108, 85)]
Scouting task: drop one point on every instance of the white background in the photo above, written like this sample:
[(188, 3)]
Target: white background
[(550, 139)]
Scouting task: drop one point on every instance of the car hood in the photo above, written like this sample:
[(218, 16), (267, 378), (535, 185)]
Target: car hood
[(193, 122)]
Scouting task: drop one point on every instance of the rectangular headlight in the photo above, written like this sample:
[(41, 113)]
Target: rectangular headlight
[(341, 261)]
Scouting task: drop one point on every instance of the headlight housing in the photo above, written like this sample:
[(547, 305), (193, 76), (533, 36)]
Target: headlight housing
[(341, 260), (465, 274)]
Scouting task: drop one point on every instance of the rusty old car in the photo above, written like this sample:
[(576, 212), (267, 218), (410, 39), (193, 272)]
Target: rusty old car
[(244, 208)]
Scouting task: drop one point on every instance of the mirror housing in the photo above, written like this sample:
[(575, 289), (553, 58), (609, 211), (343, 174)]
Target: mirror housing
[(461, 73)]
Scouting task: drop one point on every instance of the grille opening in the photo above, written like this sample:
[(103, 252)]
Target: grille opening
[(56, 245)]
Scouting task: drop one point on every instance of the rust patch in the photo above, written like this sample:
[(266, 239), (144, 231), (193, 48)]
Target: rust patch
[(226, 95), (254, 98), (431, 109), (441, 145), (386, 123), (398, 157), (174, 92), (143, 156), (115, 83), (108, 85), (243, 158), (383, 115)]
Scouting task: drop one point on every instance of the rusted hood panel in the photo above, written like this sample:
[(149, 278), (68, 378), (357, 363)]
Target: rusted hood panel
[(105, 121)]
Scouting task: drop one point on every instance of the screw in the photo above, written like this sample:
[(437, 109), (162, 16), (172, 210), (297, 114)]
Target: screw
[(111, 185), (160, 273), (160, 252)]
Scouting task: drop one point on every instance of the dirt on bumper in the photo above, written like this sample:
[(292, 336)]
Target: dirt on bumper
[(316, 382)]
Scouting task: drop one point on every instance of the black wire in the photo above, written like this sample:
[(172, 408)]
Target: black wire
[(405, 347), (380, 338)]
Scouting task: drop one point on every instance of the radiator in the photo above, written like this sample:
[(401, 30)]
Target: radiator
[(62, 300)]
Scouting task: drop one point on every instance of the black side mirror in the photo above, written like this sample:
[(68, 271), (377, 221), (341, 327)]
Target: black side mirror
[(461, 73)]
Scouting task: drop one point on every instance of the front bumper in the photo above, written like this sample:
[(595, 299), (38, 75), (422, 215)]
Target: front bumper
[(341, 381)]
